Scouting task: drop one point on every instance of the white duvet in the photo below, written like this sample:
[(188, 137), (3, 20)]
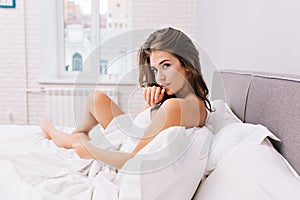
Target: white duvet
[(33, 168)]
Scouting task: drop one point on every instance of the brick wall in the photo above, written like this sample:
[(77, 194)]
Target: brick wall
[(35, 104), (12, 65), (20, 57), (156, 13)]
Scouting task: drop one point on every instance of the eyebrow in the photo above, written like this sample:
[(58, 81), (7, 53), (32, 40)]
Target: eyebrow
[(161, 62)]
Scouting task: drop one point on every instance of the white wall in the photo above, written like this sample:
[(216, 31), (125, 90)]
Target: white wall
[(251, 35)]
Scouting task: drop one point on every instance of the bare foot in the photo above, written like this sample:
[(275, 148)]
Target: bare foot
[(47, 127)]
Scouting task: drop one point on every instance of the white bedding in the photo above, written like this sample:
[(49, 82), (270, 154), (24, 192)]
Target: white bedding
[(38, 169), (252, 169), (33, 168)]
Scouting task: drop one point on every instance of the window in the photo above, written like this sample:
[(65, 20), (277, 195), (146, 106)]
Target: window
[(103, 66), (76, 62), (73, 29), (77, 33), (87, 23)]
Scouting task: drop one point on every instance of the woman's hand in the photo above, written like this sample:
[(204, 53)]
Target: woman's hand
[(80, 146), (153, 95)]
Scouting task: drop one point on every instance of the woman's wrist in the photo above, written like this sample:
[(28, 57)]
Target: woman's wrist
[(156, 106)]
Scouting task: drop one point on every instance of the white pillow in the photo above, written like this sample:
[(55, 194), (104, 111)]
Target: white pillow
[(251, 173), (223, 141), (170, 167), (220, 116)]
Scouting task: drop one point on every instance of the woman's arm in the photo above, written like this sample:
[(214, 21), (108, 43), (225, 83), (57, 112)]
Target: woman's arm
[(171, 113), (115, 159)]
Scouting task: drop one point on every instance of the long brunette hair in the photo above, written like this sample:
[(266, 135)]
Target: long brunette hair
[(180, 45)]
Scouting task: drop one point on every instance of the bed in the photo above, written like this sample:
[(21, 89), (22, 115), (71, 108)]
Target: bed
[(270, 102), (265, 98), (232, 157)]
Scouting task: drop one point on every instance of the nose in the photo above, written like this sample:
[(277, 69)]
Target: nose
[(160, 76)]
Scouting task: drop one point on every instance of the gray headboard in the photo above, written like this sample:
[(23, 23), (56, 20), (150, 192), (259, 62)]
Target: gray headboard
[(272, 100)]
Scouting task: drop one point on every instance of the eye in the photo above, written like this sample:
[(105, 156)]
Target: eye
[(165, 66)]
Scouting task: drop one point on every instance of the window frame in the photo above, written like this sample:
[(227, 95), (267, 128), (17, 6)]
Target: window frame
[(53, 41), (95, 27)]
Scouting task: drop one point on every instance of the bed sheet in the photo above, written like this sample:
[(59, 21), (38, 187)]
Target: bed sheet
[(32, 167), (37, 169)]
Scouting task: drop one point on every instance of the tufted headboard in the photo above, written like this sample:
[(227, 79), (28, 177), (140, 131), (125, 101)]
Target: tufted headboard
[(272, 100)]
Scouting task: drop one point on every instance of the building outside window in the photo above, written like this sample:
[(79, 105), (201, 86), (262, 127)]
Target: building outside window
[(77, 62), (88, 23)]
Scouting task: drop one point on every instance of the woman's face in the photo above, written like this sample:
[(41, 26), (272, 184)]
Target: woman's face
[(168, 71)]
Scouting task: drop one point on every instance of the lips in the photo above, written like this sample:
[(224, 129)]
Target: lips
[(165, 85)]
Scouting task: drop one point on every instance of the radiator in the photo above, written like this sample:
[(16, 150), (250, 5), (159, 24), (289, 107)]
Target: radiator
[(65, 106)]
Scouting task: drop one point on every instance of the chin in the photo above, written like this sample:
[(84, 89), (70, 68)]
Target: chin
[(169, 92)]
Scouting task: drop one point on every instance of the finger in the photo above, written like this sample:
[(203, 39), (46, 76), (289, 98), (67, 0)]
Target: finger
[(161, 95), (153, 90), (144, 93), (156, 95), (148, 95)]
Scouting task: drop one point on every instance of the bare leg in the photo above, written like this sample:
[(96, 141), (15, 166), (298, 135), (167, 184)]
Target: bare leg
[(100, 109), (60, 138)]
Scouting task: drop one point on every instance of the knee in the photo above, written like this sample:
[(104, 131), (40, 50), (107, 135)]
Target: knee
[(98, 96)]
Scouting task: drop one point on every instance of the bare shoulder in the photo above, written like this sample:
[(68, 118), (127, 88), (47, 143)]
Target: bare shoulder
[(179, 103), (191, 110), (173, 104)]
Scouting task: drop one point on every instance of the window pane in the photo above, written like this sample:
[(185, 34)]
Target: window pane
[(80, 31), (77, 28), (113, 21)]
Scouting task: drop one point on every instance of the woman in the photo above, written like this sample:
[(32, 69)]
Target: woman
[(176, 96)]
